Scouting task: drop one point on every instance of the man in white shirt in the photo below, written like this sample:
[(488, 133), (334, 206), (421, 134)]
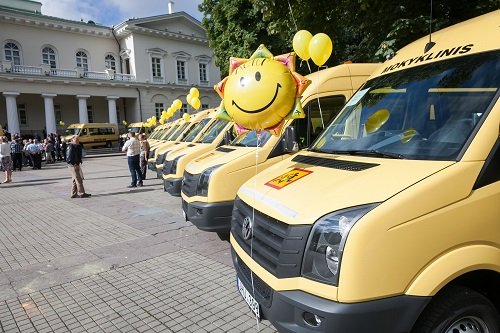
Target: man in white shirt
[(133, 149)]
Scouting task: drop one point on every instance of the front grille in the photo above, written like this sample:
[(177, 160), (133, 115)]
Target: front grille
[(263, 293), (189, 184), (167, 167), (276, 246), (332, 163)]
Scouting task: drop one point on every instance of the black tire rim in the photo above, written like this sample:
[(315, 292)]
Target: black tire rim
[(468, 324)]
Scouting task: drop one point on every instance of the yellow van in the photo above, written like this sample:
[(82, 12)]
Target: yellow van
[(390, 221), (138, 128), (211, 180), (206, 116), (93, 134), (177, 134), (216, 133)]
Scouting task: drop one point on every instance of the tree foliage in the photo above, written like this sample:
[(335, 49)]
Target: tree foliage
[(361, 30)]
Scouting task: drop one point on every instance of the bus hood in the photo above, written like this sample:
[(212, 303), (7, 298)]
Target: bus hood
[(221, 155), (302, 189)]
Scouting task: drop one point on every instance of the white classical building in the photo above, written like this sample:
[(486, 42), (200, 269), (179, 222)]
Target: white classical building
[(53, 69)]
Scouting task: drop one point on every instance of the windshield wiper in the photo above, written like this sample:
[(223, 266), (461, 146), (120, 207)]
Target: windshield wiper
[(376, 153)]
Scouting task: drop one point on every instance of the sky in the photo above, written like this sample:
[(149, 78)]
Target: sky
[(113, 12)]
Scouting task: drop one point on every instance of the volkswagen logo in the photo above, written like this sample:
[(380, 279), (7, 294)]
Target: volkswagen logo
[(246, 230)]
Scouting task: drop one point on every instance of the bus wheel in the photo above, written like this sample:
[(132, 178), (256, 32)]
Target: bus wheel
[(459, 310), (108, 144)]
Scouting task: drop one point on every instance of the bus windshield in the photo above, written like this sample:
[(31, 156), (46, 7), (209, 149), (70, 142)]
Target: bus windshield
[(197, 130), (72, 131), (215, 128), (249, 139), (425, 113)]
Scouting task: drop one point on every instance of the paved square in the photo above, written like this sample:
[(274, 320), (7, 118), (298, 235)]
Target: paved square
[(120, 261)]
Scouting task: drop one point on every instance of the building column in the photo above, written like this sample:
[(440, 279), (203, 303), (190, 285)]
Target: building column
[(82, 108), (112, 109), (12, 116), (50, 116)]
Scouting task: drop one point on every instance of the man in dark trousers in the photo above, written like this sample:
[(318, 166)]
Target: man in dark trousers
[(74, 160)]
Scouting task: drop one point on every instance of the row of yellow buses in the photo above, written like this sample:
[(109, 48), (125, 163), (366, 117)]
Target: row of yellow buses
[(379, 211)]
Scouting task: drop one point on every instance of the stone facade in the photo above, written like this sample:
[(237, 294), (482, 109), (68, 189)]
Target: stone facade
[(53, 69)]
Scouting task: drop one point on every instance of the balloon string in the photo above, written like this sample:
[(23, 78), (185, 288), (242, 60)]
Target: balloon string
[(257, 134), (291, 14)]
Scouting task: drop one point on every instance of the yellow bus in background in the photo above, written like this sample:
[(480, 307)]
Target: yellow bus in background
[(93, 134)]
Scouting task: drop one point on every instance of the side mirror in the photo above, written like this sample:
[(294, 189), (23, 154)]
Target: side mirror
[(290, 144)]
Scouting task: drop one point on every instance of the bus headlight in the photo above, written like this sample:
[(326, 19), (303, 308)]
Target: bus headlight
[(202, 188), (325, 245)]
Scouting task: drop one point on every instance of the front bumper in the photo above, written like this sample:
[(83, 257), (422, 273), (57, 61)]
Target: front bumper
[(173, 186), (152, 166), (286, 310), (215, 216)]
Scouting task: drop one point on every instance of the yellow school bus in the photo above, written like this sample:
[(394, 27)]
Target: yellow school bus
[(390, 221), (93, 134), (216, 133), (211, 180), (174, 137), (139, 128)]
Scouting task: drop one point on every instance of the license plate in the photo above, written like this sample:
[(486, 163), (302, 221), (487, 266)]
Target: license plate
[(252, 303)]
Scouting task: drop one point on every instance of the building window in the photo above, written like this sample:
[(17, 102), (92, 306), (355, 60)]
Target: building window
[(184, 109), (90, 113), (58, 113), (82, 60), (205, 106), (110, 62), (156, 69), (203, 73), (181, 70), (49, 57), (12, 53), (118, 116), (23, 118), (159, 107)]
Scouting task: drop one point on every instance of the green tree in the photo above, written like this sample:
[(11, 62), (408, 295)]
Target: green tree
[(235, 29), (361, 31)]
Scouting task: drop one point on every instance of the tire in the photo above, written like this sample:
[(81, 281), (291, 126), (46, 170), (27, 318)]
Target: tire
[(459, 310), (223, 235)]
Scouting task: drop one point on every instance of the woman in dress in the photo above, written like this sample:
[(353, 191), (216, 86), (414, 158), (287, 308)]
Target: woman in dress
[(5, 158)]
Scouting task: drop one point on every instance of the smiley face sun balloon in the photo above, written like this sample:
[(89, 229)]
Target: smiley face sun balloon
[(262, 91)]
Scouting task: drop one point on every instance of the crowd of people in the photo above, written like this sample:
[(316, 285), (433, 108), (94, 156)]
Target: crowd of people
[(18, 153)]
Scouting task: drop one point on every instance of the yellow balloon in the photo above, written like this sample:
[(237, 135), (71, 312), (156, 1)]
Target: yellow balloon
[(189, 98), (195, 102), (177, 104), (186, 116), (164, 113), (194, 92), (301, 42), (320, 48), (162, 121)]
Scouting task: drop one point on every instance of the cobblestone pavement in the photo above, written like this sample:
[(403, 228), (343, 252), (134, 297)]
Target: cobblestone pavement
[(120, 261)]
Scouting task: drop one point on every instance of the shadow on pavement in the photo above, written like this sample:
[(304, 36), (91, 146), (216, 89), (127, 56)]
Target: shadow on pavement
[(122, 192), (30, 183)]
